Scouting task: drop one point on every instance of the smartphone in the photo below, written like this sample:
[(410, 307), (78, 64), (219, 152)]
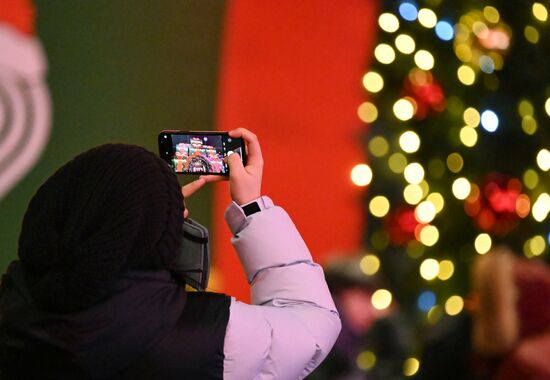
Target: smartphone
[(199, 152)]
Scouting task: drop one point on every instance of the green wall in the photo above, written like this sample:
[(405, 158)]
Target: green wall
[(120, 71)]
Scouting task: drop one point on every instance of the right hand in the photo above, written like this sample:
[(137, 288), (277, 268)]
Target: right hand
[(244, 182)]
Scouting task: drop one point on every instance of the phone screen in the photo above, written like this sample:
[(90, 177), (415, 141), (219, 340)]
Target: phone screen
[(199, 152)]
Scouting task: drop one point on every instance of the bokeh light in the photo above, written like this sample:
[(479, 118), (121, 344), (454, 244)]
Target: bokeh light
[(438, 201), (381, 299), (446, 270), (531, 34), (429, 269), (547, 106), (405, 43), (414, 173), (397, 162), (411, 366), (543, 159), (489, 120), (468, 136), (379, 206), (466, 75), (461, 188), (540, 12), (425, 212), (408, 11), (525, 108), (426, 300), (491, 14), (413, 194), (429, 235), (424, 60), (403, 109), (454, 305), (378, 146), (529, 124), (541, 207), (530, 179), (471, 117), (483, 243), (444, 30), (361, 175), (373, 81), (369, 264), (384, 53), (409, 141), (365, 360), (455, 162), (427, 18), (367, 112), (388, 22)]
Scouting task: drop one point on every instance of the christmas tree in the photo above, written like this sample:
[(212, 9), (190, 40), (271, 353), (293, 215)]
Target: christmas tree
[(458, 101)]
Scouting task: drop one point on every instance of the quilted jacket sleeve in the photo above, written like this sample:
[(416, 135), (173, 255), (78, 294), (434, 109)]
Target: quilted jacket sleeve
[(292, 323)]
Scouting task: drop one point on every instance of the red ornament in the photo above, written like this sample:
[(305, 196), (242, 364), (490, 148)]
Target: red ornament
[(421, 86), (400, 225)]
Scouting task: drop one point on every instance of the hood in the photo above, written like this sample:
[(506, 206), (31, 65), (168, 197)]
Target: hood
[(97, 342)]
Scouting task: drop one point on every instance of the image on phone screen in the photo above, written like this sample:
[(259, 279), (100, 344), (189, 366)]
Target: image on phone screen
[(194, 153)]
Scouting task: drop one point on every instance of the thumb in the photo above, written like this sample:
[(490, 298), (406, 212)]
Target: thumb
[(235, 164)]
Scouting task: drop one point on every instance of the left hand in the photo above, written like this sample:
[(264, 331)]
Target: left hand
[(189, 190)]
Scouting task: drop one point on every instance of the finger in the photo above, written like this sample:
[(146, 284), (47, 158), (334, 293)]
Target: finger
[(190, 188), (214, 178), (185, 214), (254, 156), (235, 164)]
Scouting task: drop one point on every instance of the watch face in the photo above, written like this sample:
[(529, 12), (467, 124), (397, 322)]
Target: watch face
[(251, 208)]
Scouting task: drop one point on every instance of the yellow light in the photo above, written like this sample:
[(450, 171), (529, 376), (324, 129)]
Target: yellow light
[(384, 53), (429, 235), (369, 264), (397, 162), (541, 207), (468, 136), (403, 109), (471, 117), (525, 108), (367, 112), (373, 81), (531, 34), (466, 75), (405, 43), (381, 299), (425, 212), (446, 270), (543, 159), (365, 360), (414, 173), (530, 179), (463, 52), (547, 106), (378, 146), (429, 269), (388, 22), (361, 175), (529, 125), (491, 14), (437, 200), (454, 305), (379, 206), (540, 12), (461, 188), (434, 314), (409, 142), (425, 188), (424, 59), (483, 243), (411, 366), (455, 162), (427, 18), (480, 29), (413, 194), (537, 245)]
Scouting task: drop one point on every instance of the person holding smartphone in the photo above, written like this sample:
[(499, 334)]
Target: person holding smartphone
[(94, 293)]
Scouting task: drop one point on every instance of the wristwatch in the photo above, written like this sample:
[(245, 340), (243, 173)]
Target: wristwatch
[(257, 205), (251, 208)]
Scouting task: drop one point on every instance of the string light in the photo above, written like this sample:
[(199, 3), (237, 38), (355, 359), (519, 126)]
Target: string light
[(541, 207), (466, 75), (405, 43), (543, 159), (489, 120), (547, 106), (429, 269), (414, 173), (384, 53), (365, 360), (367, 112), (361, 175), (530, 179), (529, 125), (425, 212), (424, 60), (411, 366), (379, 206), (437, 200), (426, 300), (483, 243), (429, 235), (471, 117), (408, 11), (373, 82), (455, 162), (468, 136), (427, 18), (454, 305), (444, 30), (378, 146), (461, 188), (525, 108), (446, 270), (369, 264), (404, 109), (531, 34), (540, 12), (388, 22), (397, 163), (413, 194), (409, 141), (381, 299), (491, 14)]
